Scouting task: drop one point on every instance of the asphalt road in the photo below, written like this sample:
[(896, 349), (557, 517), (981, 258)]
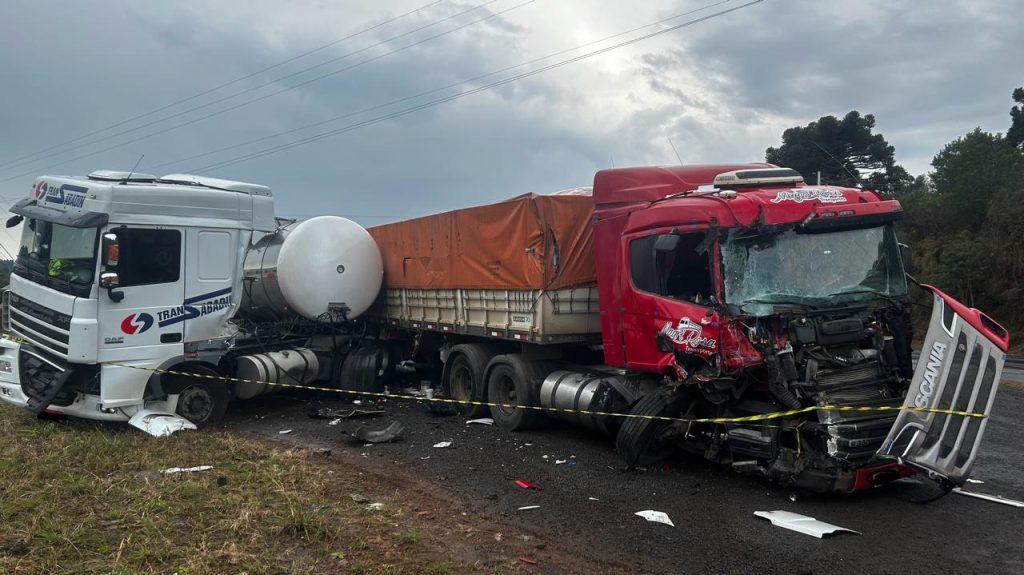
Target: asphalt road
[(712, 508)]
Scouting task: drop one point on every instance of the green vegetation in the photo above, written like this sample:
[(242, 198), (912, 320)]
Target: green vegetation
[(89, 498), (965, 220)]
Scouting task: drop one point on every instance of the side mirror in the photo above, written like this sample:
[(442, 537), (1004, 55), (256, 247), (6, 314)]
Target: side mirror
[(14, 220), (666, 244), (907, 258), (109, 281), (111, 250)]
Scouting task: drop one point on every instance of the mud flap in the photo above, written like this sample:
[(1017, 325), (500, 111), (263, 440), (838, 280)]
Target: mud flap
[(958, 370)]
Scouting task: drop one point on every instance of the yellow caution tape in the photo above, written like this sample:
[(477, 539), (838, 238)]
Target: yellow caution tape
[(389, 395)]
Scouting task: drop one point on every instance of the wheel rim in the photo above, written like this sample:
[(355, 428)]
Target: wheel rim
[(195, 404), (506, 389), (462, 383)]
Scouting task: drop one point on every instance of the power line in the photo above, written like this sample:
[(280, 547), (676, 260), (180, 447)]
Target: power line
[(289, 88), (432, 103), (443, 88), (320, 48)]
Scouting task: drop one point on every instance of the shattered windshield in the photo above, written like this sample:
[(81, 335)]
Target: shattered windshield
[(814, 270), (64, 255)]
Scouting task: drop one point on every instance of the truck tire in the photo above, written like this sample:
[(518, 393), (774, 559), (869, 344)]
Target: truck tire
[(201, 401), (514, 381), (640, 440), (361, 370), (465, 377)]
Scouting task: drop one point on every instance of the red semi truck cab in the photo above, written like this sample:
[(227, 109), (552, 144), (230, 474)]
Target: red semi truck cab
[(740, 315)]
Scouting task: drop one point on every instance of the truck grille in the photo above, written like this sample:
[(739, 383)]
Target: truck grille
[(46, 329), (855, 436)]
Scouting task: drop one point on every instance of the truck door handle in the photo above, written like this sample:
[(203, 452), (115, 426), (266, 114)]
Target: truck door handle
[(170, 337)]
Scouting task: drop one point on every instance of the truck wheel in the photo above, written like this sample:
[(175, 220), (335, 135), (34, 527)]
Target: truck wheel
[(641, 441), (465, 379), (510, 382), (203, 402)]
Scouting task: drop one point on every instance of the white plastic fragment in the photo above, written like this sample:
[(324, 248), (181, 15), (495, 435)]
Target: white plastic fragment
[(593, 499), (561, 461), (974, 481), (375, 506), (196, 469), (529, 507), (284, 431), (802, 523), (992, 498), (443, 444), (159, 423), (481, 421), (655, 516), (335, 421)]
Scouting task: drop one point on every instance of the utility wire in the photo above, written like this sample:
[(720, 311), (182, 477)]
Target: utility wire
[(441, 89), (432, 103), (275, 93), (320, 48)]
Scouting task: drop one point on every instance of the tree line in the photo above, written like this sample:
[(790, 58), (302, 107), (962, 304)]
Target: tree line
[(965, 217)]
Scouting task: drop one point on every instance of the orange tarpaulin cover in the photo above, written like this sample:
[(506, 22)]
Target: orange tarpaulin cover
[(528, 242)]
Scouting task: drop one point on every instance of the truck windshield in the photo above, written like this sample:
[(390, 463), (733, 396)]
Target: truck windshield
[(58, 256), (813, 270)]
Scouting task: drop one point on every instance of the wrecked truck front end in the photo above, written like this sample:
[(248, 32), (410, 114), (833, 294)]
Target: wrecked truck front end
[(829, 311)]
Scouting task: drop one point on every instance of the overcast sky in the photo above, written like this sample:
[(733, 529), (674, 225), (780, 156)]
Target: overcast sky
[(722, 90)]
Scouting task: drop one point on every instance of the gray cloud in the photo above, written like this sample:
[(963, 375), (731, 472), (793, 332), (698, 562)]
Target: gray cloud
[(723, 90)]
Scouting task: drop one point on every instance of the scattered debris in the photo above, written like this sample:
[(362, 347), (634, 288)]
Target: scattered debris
[(992, 498), (335, 421), (802, 523), (528, 561), (222, 481), (593, 499), (561, 461), (481, 421), (284, 432), (974, 481), (159, 423), (528, 507), (358, 498), (443, 444), (375, 507), (351, 413), (196, 469), (528, 484), (390, 433), (655, 517)]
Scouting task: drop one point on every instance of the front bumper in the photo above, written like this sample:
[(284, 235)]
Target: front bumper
[(85, 406)]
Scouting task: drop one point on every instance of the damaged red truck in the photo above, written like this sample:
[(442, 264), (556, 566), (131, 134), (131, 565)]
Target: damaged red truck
[(695, 292)]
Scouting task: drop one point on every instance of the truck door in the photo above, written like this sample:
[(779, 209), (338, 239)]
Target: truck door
[(669, 293), (141, 312)]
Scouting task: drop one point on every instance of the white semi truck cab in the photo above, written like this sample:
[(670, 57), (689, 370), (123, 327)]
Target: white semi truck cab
[(120, 277)]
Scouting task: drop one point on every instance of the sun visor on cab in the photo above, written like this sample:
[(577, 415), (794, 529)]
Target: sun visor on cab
[(30, 208)]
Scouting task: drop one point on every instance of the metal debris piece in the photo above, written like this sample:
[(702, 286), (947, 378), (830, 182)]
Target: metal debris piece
[(196, 469), (390, 433), (159, 423), (802, 523), (481, 421), (992, 498), (443, 444), (351, 413), (655, 517)]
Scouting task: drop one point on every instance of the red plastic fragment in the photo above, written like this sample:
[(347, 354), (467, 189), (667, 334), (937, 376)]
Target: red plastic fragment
[(528, 484)]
